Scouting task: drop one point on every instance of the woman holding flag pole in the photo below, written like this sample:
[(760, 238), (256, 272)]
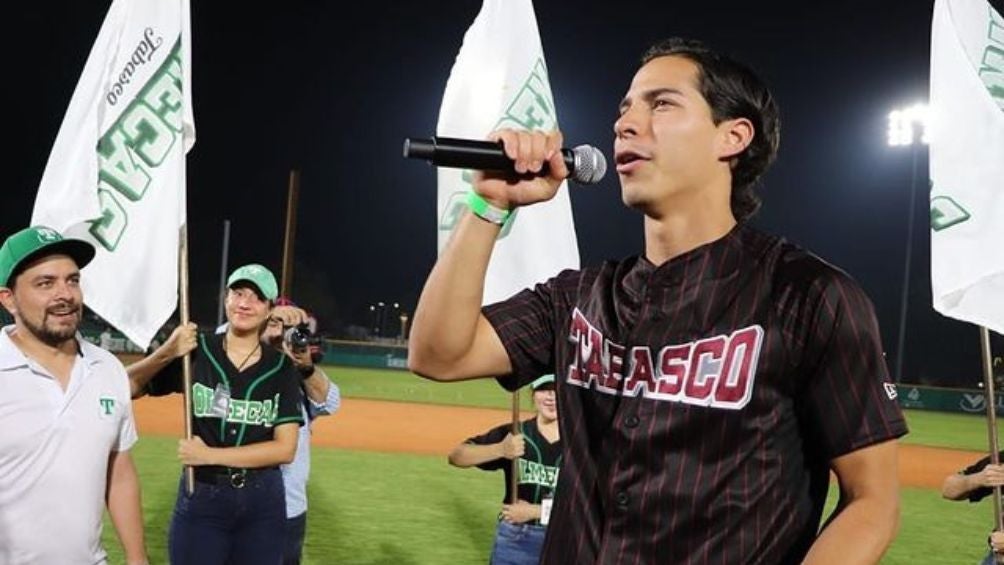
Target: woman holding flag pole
[(246, 413), (530, 457)]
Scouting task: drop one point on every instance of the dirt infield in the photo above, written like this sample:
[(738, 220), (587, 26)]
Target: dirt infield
[(433, 430)]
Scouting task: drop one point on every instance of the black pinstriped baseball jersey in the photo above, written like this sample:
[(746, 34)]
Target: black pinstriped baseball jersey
[(702, 400)]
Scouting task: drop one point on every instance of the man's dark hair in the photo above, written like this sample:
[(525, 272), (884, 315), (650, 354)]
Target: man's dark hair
[(732, 91)]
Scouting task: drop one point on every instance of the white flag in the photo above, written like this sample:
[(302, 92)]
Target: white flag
[(499, 80), (116, 174), (967, 162)]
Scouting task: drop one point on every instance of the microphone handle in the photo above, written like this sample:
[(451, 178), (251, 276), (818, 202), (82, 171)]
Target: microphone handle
[(469, 154)]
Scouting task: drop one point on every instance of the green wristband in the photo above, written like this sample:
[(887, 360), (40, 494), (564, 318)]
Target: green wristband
[(485, 210)]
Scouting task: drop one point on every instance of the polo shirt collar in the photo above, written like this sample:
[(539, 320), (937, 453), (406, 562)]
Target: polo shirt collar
[(11, 356)]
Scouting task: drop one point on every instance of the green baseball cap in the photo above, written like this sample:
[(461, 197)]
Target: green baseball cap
[(541, 382), (258, 276), (35, 242)]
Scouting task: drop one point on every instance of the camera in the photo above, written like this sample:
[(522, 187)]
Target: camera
[(300, 339)]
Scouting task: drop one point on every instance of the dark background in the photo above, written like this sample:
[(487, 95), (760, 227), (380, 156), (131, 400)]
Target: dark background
[(308, 85)]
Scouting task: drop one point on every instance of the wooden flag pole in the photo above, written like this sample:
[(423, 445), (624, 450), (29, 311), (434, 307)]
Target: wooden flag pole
[(514, 476), (988, 384), (186, 361), (289, 240)]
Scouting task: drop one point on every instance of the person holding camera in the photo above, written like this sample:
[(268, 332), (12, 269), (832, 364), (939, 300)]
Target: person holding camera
[(246, 403), (293, 330)]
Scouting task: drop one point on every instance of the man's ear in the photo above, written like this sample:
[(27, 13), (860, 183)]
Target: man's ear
[(736, 136), (7, 300)]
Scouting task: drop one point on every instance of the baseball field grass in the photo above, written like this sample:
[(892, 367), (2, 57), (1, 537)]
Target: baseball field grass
[(372, 508), (395, 509), (934, 429), (376, 384), (365, 507)]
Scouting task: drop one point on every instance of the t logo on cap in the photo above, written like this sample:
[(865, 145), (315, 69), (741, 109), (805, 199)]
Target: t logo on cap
[(35, 242), (47, 235)]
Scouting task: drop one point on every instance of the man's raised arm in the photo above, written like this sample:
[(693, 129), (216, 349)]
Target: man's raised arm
[(450, 338)]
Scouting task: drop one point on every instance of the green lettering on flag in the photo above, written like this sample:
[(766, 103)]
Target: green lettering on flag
[(108, 229), (532, 109), (163, 95), (946, 212), (135, 144), (454, 209), (120, 168), (992, 65)]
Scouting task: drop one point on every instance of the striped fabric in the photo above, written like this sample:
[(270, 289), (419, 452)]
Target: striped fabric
[(702, 400)]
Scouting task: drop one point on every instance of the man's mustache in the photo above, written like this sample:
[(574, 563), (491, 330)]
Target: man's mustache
[(64, 308)]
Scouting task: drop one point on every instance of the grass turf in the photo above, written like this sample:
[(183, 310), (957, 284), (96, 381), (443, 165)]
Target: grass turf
[(386, 384), (378, 508), (935, 429), (943, 429), (933, 530), (365, 508)]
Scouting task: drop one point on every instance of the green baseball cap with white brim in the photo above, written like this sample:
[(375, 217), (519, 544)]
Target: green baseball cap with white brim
[(259, 276), (37, 242)]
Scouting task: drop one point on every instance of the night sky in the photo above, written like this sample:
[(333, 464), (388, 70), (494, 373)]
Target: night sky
[(307, 85)]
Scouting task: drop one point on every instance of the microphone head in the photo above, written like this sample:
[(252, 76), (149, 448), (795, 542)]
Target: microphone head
[(590, 165)]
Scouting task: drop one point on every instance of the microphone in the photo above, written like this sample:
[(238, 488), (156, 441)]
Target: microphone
[(585, 163)]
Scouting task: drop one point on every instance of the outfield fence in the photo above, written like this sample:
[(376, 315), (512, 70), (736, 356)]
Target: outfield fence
[(968, 401), (366, 354)]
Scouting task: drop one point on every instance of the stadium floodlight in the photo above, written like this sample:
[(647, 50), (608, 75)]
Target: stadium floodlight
[(904, 122)]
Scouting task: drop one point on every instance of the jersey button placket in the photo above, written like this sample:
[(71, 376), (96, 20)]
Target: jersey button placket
[(653, 300), (632, 421), (622, 499)]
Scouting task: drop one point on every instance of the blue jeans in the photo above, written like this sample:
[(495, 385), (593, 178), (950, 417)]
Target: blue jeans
[(296, 528), (517, 544), (223, 525)]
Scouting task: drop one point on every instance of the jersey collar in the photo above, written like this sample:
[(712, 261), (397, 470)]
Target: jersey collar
[(11, 356)]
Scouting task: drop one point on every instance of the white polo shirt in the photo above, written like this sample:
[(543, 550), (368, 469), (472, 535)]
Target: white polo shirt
[(54, 449)]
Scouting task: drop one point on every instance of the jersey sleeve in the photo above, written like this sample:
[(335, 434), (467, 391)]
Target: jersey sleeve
[(847, 399), (976, 467), (127, 435), (980, 493), (170, 379), (526, 325), (290, 396), (167, 380), (492, 436)]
